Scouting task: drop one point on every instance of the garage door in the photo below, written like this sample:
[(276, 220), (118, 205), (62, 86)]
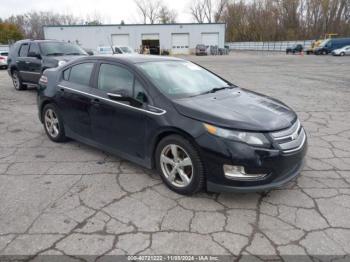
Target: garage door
[(120, 40), (150, 36), (180, 44), (210, 39)]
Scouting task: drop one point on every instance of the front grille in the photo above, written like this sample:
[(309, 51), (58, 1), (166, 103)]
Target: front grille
[(290, 140)]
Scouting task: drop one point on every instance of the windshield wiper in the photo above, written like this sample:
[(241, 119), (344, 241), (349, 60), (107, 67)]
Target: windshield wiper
[(216, 89), (74, 54), (54, 54)]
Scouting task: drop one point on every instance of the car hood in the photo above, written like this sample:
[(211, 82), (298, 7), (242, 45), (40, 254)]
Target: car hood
[(238, 109)]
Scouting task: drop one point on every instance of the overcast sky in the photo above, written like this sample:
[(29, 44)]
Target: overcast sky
[(111, 11)]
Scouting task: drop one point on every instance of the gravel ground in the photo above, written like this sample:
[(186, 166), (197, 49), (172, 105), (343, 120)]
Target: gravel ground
[(75, 200)]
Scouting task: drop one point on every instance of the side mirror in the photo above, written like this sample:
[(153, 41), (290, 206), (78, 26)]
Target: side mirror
[(36, 55)]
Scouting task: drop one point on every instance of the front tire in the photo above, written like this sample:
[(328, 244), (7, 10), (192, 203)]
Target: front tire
[(17, 81), (53, 123), (180, 165), (342, 54)]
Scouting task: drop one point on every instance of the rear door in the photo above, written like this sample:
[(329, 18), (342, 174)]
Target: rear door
[(34, 63), (22, 63), (74, 99)]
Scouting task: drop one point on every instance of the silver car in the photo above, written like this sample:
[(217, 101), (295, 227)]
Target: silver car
[(3, 59), (342, 51)]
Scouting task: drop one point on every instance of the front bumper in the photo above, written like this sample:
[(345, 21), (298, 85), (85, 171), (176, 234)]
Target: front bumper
[(280, 167)]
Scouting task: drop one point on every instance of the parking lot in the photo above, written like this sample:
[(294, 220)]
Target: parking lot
[(75, 200)]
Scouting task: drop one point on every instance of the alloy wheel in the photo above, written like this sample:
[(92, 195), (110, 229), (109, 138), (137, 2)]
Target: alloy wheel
[(15, 80), (176, 165), (52, 123)]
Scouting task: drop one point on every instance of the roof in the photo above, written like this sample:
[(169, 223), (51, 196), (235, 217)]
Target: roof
[(134, 59), (105, 25), (38, 40)]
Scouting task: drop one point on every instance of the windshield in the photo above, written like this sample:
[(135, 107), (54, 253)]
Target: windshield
[(61, 48), (324, 43), (180, 79), (126, 49)]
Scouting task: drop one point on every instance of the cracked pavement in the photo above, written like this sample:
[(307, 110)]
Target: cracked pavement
[(73, 200)]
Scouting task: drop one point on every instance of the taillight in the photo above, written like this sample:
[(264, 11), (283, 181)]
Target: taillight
[(43, 80), (2, 58)]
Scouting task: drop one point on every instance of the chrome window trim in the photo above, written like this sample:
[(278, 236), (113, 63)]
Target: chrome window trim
[(118, 103)]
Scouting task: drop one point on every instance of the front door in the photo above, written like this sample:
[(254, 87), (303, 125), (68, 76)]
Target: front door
[(34, 63), (119, 125), (74, 99)]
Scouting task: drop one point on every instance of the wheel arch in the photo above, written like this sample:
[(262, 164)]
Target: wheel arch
[(13, 68), (42, 105), (165, 133)]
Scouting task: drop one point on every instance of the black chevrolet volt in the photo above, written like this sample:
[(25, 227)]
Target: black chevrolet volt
[(197, 129)]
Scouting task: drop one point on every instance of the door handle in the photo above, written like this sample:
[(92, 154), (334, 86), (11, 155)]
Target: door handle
[(95, 102)]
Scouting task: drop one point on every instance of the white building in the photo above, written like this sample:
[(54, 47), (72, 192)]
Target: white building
[(177, 38)]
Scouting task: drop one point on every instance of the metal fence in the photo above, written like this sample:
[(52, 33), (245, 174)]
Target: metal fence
[(268, 46)]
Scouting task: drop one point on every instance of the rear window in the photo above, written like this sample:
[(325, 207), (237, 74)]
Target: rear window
[(4, 53), (79, 74)]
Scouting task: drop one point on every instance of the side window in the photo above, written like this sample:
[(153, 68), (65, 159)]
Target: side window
[(81, 74), (114, 78), (23, 51), (34, 48), (66, 74), (139, 92)]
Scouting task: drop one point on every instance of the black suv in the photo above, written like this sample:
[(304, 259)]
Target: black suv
[(295, 49), (29, 58)]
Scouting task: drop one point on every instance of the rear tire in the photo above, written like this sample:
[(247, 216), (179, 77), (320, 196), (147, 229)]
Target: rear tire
[(53, 123), (17, 81), (179, 165)]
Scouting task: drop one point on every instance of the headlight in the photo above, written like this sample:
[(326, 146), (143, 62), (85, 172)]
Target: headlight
[(61, 63), (255, 139)]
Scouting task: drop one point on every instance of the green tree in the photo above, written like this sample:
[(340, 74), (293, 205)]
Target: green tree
[(9, 32)]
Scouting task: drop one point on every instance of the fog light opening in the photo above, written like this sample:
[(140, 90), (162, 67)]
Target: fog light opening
[(239, 173)]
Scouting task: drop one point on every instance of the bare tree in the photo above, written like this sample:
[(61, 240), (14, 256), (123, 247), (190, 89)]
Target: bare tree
[(207, 11), (31, 23), (271, 20), (197, 9), (166, 16), (149, 10), (221, 6), (143, 9)]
